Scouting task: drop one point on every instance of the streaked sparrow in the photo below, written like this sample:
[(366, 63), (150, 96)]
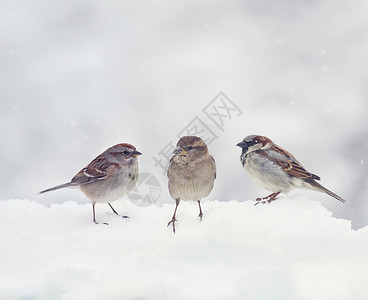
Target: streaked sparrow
[(276, 169), (109, 177), (191, 173)]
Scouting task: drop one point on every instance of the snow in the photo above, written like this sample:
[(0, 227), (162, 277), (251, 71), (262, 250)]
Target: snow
[(290, 249), (80, 76)]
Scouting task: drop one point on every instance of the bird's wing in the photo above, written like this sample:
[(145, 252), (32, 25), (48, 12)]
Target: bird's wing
[(290, 164), (214, 166), (98, 169), (168, 169)]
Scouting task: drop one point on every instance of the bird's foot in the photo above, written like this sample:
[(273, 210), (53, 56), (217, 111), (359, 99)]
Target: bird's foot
[(94, 221), (267, 199), (173, 220), (263, 200), (124, 217), (200, 216), (116, 213)]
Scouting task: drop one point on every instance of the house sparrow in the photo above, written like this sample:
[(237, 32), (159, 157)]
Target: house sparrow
[(110, 176), (191, 173), (276, 169)]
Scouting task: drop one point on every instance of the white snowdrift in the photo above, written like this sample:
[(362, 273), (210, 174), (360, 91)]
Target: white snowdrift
[(289, 249)]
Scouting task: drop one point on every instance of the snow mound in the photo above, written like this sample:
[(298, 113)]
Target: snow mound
[(289, 249)]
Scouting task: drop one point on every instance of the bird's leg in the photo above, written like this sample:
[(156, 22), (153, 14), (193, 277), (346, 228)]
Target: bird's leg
[(94, 214), (200, 210), (115, 212), (173, 219), (267, 199)]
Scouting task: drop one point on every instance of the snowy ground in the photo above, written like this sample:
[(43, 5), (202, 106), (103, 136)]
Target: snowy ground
[(290, 249)]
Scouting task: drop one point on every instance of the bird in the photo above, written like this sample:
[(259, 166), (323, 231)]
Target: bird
[(108, 177), (191, 173), (276, 169)]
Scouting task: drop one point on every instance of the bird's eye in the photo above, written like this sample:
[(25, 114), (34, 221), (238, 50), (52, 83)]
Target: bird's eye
[(190, 148), (125, 152), (251, 143)]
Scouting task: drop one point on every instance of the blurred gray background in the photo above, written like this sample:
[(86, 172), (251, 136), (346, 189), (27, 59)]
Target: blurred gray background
[(80, 76)]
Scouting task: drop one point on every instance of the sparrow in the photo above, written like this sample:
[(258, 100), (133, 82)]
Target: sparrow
[(108, 177), (276, 169), (191, 173)]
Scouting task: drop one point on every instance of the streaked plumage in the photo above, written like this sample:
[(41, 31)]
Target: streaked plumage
[(276, 169), (108, 177)]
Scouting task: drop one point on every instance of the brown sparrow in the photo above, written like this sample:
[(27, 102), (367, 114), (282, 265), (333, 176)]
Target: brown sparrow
[(276, 169), (110, 176), (191, 173)]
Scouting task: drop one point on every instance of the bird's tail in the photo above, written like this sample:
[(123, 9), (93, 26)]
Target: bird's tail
[(69, 184), (321, 188)]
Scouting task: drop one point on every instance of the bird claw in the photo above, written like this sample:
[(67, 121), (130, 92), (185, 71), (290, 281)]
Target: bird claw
[(267, 199), (99, 223), (173, 224), (125, 217), (263, 202)]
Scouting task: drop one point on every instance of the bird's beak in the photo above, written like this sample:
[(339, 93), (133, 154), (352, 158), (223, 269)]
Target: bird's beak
[(136, 153), (242, 145), (180, 150)]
